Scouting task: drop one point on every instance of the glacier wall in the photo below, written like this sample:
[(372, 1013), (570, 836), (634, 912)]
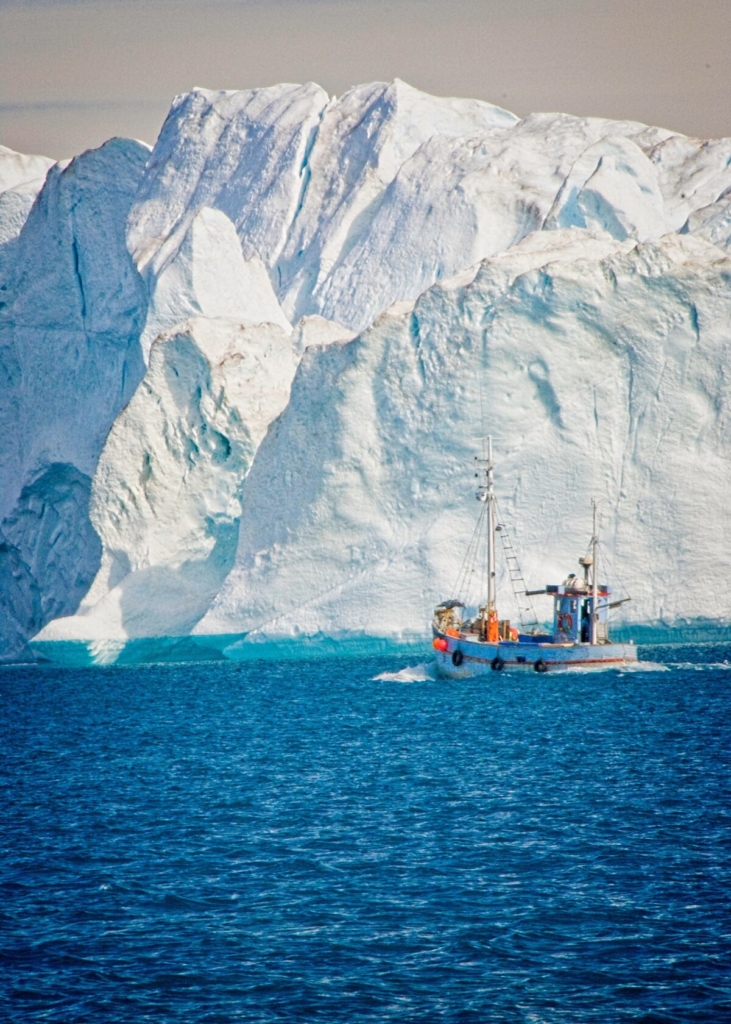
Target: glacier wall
[(72, 307), (166, 495), (599, 373), (156, 476)]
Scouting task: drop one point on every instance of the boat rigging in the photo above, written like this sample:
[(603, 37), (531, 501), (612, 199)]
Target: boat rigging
[(580, 635)]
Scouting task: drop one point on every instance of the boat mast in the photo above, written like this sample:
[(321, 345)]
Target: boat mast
[(490, 498), (488, 615), (594, 575)]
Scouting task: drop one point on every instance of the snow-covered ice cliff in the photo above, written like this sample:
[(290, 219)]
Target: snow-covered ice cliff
[(154, 308), (166, 494), (72, 307), (357, 510)]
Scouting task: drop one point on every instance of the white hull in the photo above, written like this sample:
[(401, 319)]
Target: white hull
[(465, 658)]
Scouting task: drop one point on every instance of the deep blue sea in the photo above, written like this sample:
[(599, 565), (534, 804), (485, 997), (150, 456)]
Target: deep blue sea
[(308, 842)]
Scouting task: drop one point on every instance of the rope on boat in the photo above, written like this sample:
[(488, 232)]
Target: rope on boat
[(464, 577), (613, 573), (610, 566)]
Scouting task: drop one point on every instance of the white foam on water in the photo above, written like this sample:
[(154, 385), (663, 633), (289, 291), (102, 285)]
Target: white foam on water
[(422, 673), (645, 666), (692, 666)]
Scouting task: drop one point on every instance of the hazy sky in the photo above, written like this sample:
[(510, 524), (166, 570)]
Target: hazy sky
[(75, 72)]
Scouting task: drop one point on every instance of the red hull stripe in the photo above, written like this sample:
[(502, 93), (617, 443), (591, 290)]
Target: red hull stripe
[(552, 661)]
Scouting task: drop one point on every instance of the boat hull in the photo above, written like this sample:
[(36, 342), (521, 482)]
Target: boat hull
[(465, 658)]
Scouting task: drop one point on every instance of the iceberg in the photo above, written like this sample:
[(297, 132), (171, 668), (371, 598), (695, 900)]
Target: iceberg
[(598, 374), (72, 307), (165, 501), (244, 371)]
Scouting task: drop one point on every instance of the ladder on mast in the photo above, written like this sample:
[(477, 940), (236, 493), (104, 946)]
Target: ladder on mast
[(526, 611)]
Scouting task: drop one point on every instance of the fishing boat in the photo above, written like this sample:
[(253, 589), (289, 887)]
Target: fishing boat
[(478, 645)]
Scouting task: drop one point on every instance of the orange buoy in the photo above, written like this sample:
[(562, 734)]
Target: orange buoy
[(440, 644)]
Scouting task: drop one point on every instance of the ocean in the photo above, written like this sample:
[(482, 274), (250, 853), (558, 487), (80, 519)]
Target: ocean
[(353, 840)]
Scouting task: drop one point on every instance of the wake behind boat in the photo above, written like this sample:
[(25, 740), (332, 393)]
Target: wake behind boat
[(581, 604)]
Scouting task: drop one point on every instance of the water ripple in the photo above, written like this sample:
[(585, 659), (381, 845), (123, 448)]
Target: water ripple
[(253, 842)]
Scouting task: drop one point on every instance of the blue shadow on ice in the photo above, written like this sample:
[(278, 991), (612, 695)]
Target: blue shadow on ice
[(247, 647), (222, 647)]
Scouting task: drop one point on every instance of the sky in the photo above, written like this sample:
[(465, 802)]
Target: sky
[(73, 73)]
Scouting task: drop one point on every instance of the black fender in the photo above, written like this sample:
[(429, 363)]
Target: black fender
[(541, 665), (457, 657), (497, 664)]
